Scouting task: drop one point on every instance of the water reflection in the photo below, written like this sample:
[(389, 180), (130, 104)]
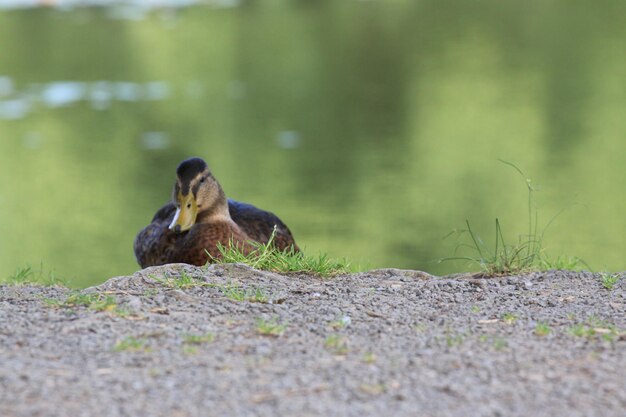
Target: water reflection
[(120, 9), (372, 128), (155, 140), (62, 93), (288, 139), (33, 140), (100, 94), (14, 109), (6, 86)]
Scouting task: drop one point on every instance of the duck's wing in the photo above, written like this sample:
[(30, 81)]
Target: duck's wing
[(165, 213), (155, 243), (259, 224)]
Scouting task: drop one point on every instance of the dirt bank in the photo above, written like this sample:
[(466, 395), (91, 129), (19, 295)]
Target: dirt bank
[(387, 342)]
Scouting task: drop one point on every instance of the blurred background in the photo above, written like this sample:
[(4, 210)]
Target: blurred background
[(372, 128)]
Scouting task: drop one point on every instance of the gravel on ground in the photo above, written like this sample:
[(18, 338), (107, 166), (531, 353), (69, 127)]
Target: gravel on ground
[(223, 340)]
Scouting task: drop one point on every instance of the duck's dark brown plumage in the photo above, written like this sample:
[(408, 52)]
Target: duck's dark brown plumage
[(157, 244)]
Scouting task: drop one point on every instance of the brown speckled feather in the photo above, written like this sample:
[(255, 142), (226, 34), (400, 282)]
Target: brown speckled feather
[(204, 237), (157, 245)]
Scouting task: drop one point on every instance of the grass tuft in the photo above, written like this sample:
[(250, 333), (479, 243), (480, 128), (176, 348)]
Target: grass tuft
[(238, 293), (266, 256), (131, 344), (27, 275), (341, 323), (596, 329), (336, 344), (184, 280), (562, 263), (542, 329), (198, 339), (369, 358), (508, 256), (93, 301), (270, 327), (609, 280), (509, 318), (231, 291), (453, 338), (500, 343)]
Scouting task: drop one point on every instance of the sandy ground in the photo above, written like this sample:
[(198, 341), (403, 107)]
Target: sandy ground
[(386, 342)]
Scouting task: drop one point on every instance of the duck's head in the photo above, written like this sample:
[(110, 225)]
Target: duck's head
[(196, 194)]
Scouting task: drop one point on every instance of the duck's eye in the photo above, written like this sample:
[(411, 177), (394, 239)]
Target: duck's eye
[(188, 205), (202, 179)]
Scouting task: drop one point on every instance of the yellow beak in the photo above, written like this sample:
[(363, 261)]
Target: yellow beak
[(186, 213)]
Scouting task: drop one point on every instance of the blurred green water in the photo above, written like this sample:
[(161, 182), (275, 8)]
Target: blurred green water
[(372, 128)]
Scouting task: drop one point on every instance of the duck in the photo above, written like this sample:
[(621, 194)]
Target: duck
[(199, 216)]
